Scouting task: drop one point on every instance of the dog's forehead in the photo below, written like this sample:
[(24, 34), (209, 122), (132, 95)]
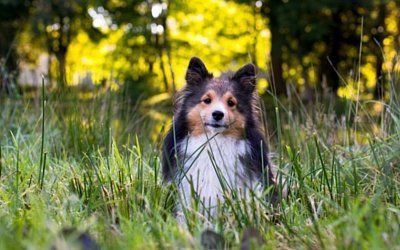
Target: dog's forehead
[(220, 81), (220, 85)]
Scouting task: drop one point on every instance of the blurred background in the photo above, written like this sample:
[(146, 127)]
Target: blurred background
[(141, 48)]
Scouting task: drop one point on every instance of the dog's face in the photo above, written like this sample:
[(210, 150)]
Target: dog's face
[(218, 105)]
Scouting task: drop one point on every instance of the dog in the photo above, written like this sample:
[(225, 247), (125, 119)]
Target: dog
[(215, 146)]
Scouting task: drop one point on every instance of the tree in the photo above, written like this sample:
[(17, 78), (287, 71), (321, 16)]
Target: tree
[(13, 15), (148, 20), (273, 12), (378, 31), (315, 30), (59, 22)]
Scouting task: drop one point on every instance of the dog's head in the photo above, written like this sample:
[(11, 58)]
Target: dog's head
[(218, 105)]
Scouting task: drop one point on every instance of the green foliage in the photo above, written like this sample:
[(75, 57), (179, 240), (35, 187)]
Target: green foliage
[(57, 23), (318, 46), (138, 45), (325, 37)]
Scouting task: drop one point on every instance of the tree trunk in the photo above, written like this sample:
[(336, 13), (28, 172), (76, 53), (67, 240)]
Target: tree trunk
[(397, 40), (167, 48), (255, 34), (61, 58), (379, 91), (162, 66), (276, 64), (171, 70), (160, 52), (279, 86), (49, 73), (330, 61)]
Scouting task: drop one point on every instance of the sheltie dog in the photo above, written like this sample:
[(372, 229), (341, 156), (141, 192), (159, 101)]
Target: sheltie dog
[(215, 146)]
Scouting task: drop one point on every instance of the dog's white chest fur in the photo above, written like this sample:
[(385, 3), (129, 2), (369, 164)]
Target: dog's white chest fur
[(212, 164)]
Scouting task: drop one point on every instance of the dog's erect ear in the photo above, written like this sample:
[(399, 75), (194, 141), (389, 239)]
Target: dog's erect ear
[(196, 72), (246, 77)]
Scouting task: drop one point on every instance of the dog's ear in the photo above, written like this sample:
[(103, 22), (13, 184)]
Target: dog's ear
[(196, 72), (246, 77)]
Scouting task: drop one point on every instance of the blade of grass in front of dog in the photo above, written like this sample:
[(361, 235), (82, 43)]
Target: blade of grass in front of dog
[(185, 170), (201, 148), (15, 187), (107, 128), (43, 170), (279, 128), (325, 174), (355, 174), (140, 174), (43, 134), (100, 179), (17, 178), (375, 157), (1, 161), (334, 177), (175, 143), (304, 196), (222, 180)]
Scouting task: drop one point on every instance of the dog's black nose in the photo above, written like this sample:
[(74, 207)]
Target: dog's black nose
[(217, 115)]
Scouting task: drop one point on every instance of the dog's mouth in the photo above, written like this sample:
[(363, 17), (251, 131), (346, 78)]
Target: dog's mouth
[(215, 125)]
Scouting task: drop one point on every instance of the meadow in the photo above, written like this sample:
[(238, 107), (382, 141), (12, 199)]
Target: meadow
[(76, 170)]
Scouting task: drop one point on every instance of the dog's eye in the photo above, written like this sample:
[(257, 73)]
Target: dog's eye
[(207, 100), (231, 103)]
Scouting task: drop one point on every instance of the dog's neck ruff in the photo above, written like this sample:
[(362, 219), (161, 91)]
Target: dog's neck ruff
[(211, 165)]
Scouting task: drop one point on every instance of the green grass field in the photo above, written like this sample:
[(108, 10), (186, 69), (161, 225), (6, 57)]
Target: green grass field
[(71, 167)]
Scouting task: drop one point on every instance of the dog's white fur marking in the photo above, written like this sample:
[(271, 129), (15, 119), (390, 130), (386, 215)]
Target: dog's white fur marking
[(212, 164)]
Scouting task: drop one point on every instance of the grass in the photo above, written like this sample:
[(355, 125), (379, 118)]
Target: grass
[(71, 167)]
